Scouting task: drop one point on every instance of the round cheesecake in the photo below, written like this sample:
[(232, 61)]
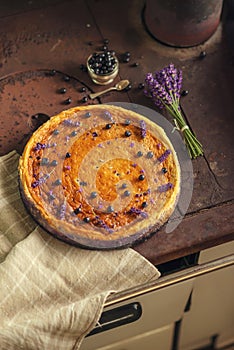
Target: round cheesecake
[(100, 176)]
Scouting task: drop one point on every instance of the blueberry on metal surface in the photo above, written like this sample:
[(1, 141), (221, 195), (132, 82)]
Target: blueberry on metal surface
[(184, 93), (63, 90), (68, 101)]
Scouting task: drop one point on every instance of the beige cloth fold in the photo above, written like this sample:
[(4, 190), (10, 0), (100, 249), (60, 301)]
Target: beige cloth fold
[(52, 294)]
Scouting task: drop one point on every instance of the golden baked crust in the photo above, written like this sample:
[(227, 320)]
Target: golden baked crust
[(100, 176)]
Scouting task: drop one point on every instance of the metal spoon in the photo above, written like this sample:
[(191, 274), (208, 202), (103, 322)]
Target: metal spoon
[(121, 85)]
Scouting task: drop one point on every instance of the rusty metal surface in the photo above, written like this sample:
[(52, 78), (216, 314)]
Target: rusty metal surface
[(61, 34), (26, 99), (182, 23)]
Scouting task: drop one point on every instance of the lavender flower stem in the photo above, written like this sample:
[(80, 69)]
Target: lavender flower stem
[(164, 88)]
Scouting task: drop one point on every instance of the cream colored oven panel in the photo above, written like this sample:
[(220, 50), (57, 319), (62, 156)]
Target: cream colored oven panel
[(159, 308)]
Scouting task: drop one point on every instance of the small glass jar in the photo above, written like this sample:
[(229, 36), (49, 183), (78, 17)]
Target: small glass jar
[(103, 67)]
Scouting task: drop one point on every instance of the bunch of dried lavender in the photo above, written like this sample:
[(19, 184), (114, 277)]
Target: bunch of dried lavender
[(164, 88)]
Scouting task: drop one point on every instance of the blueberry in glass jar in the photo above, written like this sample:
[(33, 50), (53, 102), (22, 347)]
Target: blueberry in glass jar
[(102, 63)]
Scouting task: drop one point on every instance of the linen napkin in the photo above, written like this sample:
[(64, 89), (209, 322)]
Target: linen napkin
[(52, 294)]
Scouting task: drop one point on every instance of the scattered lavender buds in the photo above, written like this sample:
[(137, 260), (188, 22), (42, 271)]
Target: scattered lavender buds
[(137, 211), (62, 211), (40, 181), (164, 156), (67, 122), (101, 223), (143, 129), (164, 87), (39, 146), (166, 187)]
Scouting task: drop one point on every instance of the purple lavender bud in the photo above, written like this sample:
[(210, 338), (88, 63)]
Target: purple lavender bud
[(143, 128), (137, 211), (61, 211), (67, 122), (164, 86), (35, 184), (104, 225), (165, 187), (147, 191), (164, 156), (159, 92), (40, 181), (179, 82), (39, 146)]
